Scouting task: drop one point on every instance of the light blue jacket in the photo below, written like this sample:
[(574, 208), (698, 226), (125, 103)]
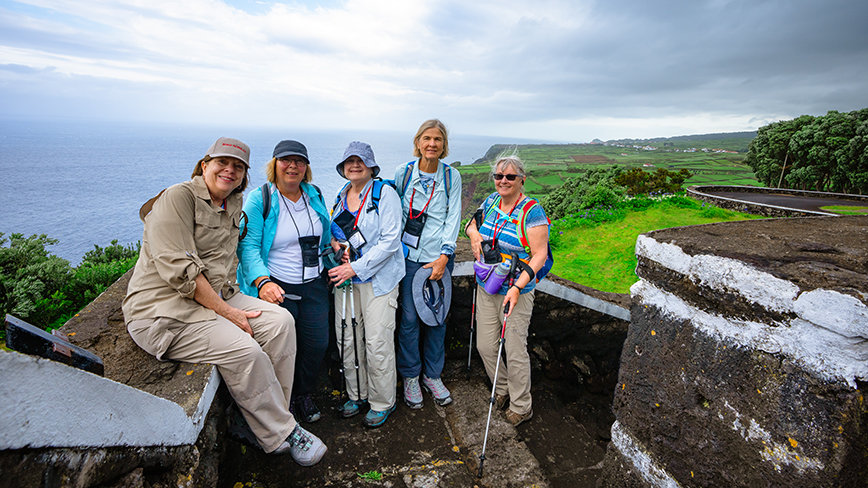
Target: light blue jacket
[(382, 255), (441, 229), (254, 248)]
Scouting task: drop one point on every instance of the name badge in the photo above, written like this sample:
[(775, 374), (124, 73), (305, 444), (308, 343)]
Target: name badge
[(413, 231)]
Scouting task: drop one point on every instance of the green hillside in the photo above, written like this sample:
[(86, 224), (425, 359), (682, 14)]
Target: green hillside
[(549, 165)]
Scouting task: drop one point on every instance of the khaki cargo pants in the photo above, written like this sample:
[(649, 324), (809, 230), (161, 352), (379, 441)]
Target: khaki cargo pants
[(513, 377), (257, 370)]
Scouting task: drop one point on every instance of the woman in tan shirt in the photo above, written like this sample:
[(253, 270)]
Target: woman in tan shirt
[(183, 303)]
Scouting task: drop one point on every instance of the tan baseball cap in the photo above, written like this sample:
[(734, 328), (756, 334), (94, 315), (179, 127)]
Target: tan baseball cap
[(226, 146)]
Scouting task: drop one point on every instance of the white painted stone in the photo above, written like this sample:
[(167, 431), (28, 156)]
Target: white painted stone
[(776, 453), (722, 274), (835, 311), (634, 452), (46, 403), (825, 353)]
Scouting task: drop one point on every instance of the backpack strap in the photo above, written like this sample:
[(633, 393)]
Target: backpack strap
[(491, 207), (522, 221), (338, 198), (375, 195), (266, 201), (408, 170), (321, 198), (405, 181)]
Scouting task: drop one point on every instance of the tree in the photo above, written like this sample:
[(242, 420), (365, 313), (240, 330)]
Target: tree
[(640, 182), (825, 153)]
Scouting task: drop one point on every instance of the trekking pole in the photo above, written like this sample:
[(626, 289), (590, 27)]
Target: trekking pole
[(493, 386), (355, 342), (472, 327), (343, 332)]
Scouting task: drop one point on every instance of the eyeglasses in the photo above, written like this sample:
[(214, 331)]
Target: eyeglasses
[(498, 177), (297, 161)]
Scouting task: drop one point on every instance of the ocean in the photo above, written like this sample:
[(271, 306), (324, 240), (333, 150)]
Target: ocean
[(82, 183)]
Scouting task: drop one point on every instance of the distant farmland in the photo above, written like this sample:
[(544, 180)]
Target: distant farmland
[(549, 165)]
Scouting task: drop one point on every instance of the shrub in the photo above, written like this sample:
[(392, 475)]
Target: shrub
[(44, 289), (591, 188)]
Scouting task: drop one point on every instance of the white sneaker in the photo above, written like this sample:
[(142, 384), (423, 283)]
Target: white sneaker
[(306, 449)]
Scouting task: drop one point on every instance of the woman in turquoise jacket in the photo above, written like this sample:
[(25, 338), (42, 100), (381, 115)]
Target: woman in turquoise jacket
[(279, 261)]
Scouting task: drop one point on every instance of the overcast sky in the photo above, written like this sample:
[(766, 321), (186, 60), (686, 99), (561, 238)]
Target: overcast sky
[(568, 70)]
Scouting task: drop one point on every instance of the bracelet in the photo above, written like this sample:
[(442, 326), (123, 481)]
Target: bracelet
[(519, 288), (262, 283)]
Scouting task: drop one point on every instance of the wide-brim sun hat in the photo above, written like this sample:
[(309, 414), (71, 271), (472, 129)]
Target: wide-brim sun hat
[(364, 152), (290, 148), (432, 298)]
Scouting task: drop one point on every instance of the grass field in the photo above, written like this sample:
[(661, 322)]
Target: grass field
[(549, 165), (602, 256), (845, 210)]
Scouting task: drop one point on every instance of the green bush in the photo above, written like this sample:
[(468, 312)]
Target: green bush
[(45, 290), (589, 189)]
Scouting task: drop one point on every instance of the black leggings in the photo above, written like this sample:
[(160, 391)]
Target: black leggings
[(311, 315)]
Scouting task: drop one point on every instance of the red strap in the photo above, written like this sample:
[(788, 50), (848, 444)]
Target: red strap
[(361, 206), (433, 185), (509, 216)]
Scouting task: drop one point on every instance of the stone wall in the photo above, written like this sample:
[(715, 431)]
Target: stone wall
[(575, 340), (746, 360), (698, 192)]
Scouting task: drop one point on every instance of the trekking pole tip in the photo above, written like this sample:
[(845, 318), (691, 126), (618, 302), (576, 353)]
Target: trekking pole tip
[(481, 460)]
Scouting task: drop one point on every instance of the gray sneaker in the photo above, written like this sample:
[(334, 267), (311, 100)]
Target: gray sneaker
[(412, 393), (437, 390), (306, 449)]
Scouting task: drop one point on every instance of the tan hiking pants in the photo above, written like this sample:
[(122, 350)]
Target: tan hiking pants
[(513, 377), (257, 370), (375, 336)]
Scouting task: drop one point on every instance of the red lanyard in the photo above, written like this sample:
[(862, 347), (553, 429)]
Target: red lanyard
[(506, 220), (361, 206), (433, 185)]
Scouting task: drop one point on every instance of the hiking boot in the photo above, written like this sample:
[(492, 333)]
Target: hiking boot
[(305, 409), (238, 427), (306, 449), (500, 401), (412, 393), (437, 390), (375, 419), (517, 419), (352, 407)]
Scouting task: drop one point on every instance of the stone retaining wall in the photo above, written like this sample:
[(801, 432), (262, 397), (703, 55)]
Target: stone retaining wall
[(575, 339), (698, 192), (746, 362)]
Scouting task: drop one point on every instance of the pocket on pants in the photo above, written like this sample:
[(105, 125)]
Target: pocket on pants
[(155, 336), (393, 310)]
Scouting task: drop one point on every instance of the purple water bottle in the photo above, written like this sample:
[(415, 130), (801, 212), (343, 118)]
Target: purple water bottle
[(496, 279)]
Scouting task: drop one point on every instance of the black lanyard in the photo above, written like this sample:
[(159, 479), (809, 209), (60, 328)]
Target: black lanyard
[(306, 211)]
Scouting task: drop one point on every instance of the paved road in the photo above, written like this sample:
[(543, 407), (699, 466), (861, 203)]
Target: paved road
[(788, 201)]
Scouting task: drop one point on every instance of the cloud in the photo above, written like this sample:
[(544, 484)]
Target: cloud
[(565, 70)]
